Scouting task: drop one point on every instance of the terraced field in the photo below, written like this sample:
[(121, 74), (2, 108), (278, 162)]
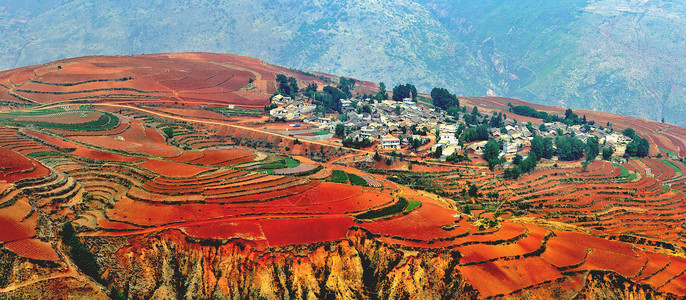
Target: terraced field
[(155, 192)]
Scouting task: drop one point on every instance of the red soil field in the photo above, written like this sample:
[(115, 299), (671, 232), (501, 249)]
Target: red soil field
[(14, 166), (172, 169), (69, 117), (196, 113), (138, 138), (505, 277), (187, 156), (192, 77), (14, 226), (58, 142), (99, 155), (224, 230), (423, 223), (281, 232), (222, 157), (33, 249)]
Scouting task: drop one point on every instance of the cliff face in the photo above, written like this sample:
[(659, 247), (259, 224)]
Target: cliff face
[(166, 266)]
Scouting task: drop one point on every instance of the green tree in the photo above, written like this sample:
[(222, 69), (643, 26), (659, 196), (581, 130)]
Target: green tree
[(288, 86), (629, 132), (442, 98), (473, 190), (592, 148), (382, 94), (569, 148), (528, 164), (438, 152), (491, 153), (340, 130), (607, 153), (548, 149), (169, 131), (403, 91)]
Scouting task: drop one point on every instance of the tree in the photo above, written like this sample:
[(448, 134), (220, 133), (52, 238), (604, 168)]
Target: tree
[(548, 149), (346, 85), (592, 148), (169, 131), (543, 128), (639, 147), (530, 127), (491, 153), (288, 86), (497, 121), (512, 173), (491, 150), (438, 153), (367, 109), (377, 157), (528, 164), (293, 84), (357, 143), (629, 132), (442, 98), (403, 91), (542, 147), (473, 190), (517, 159), (382, 95), (340, 130), (607, 153), (569, 148), (475, 112)]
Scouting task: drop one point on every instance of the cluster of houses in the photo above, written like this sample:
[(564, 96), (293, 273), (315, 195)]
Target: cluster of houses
[(389, 123)]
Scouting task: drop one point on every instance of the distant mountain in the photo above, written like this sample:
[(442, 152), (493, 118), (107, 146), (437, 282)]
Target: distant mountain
[(621, 56)]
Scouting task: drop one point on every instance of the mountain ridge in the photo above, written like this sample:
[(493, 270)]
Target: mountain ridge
[(618, 56)]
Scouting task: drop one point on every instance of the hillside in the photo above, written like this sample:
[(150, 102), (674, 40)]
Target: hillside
[(130, 177), (617, 56)]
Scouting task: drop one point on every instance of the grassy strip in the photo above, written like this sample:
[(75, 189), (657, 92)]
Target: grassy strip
[(339, 176), (670, 153), (237, 111), (625, 172), (396, 208), (357, 180), (80, 82), (107, 121), (321, 132), (674, 167), (89, 91), (413, 204), (291, 163), (43, 153), (32, 113)]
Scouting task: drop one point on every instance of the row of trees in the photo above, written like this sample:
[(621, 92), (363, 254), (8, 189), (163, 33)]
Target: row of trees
[(570, 118)]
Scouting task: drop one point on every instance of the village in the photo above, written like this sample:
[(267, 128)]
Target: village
[(417, 129)]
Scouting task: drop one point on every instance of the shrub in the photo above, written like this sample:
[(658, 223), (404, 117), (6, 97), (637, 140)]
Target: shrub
[(83, 258), (397, 207)]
